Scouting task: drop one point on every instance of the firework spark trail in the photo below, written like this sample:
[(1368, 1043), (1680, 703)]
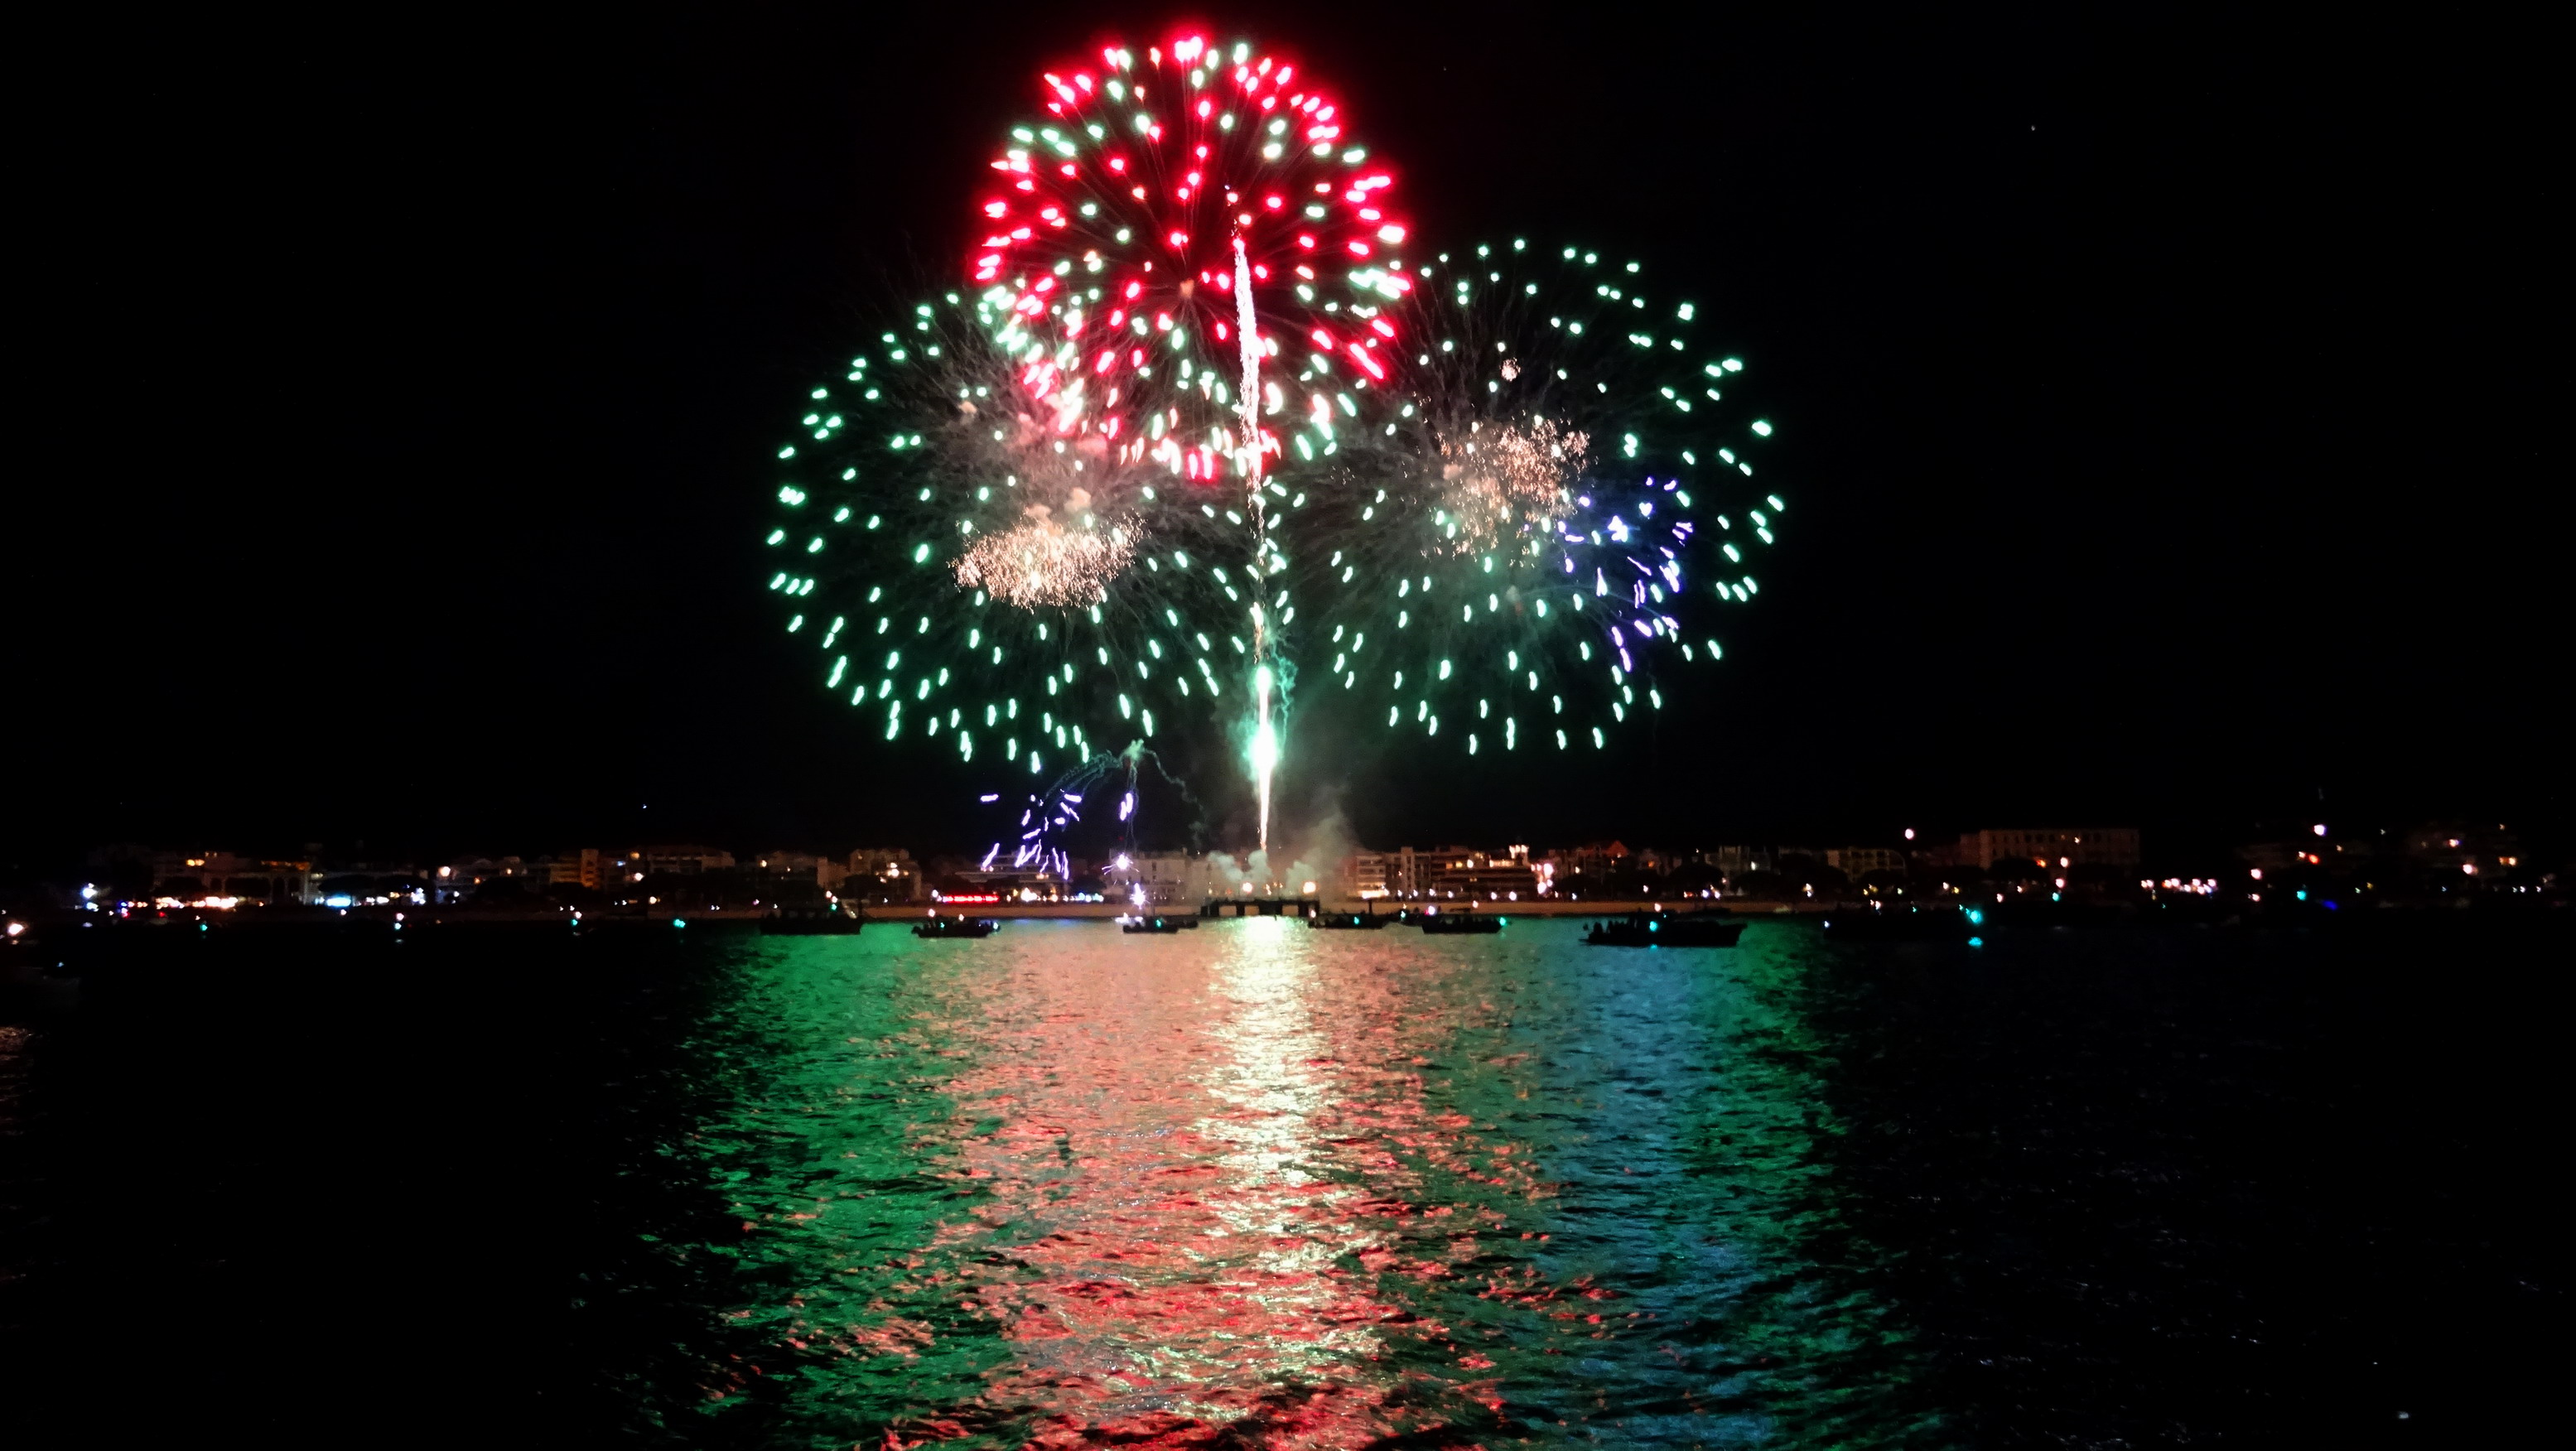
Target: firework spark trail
[(1161, 198), (1247, 328), (1265, 742), (1041, 837)]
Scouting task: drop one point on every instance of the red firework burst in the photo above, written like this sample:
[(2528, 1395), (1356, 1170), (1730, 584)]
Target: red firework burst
[(1158, 210)]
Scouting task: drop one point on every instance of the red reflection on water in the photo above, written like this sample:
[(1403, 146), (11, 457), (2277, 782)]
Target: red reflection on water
[(1192, 1186)]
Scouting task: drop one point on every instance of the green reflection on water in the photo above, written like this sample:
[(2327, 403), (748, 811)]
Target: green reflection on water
[(1318, 1187), (835, 1148), (1667, 1262)]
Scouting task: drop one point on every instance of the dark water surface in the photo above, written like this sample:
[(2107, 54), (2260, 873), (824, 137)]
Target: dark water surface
[(1261, 1185)]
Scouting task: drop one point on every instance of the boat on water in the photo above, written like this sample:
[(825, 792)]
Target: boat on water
[(955, 927), (1657, 929), (1157, 924), (1458, 924), (1352, 921), (811, 922)]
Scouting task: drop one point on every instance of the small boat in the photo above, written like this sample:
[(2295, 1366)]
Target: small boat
[(1459, 924), (955, 927), (1157, 924), (1361, 921), (810, 922), (1654, 929)]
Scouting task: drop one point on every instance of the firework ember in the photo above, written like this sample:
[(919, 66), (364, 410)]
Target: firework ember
[(1495, 479), (1044, 563)]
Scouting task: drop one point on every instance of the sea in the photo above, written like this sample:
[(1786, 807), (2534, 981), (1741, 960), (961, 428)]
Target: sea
[(1260, 1185)]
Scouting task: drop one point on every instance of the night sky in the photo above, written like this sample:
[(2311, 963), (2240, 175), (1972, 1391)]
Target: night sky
[(2172, 414)]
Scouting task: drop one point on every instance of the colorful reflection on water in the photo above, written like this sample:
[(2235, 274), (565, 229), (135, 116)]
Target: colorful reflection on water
[(1252, 1185)]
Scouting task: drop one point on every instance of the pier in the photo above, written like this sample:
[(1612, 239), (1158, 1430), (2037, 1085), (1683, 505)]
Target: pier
[(1261, 906)]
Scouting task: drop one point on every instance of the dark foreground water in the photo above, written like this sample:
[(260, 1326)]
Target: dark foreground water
[(1259, 1185)]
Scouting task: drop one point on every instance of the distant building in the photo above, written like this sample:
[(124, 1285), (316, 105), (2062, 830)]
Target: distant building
[(681, 860), (2082, 846), (585, 867), (1004, 885), (2469, 851), (1571, 869), (1857, 862), (1166, 879), (881, 874), (196, 876), (457, 880), (1397, 873), (1453, 871), (2280, 858), (825, 872), (466, 873), (1363, 874), (1404, 872), (1462, 874), (1737, 861)]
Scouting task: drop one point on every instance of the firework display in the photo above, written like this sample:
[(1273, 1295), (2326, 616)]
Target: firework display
[(1047, 817), (1073, 510), (1185, 249), (1063, 484), (982, 587), (1558, 504), (1178, 243)]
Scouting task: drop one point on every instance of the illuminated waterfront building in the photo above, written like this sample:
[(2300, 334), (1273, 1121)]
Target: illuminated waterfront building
[(1161, 879), (2081, 846)]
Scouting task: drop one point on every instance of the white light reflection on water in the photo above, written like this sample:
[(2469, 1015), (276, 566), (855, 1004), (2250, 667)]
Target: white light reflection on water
[(1273, 1092), (1151, 1178)]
